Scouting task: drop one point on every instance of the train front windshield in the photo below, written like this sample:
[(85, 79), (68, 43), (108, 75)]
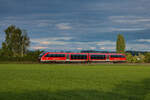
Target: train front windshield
[(41, 54)]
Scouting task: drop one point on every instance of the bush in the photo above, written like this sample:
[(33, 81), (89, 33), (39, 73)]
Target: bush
[(147, 57), (135, 59), (129, 57), (141, 58), (31, 56)]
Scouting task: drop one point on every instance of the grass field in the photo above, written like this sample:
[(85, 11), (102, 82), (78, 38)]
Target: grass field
[(74, 82)]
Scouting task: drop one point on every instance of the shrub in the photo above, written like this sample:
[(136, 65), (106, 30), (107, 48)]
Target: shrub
[(147, 57), (135, 59)]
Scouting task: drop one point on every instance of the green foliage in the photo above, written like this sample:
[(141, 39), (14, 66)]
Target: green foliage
[(141, 58), (30, 56), (135, 59), (74, 82), (147, 57), (6, 50), (129, 57), (16, 42), (120, 44), (33, 55)]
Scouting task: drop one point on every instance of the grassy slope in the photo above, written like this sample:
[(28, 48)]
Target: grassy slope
[(74, 82)]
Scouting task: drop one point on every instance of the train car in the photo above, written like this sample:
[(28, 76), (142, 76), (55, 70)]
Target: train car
[(53, 57), (116, 57), (107, 57), (81, 57), (63, 57)]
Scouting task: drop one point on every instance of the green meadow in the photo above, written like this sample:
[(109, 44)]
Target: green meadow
[(74, 82)]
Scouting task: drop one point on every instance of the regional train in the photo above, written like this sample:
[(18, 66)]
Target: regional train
[(53, 57)]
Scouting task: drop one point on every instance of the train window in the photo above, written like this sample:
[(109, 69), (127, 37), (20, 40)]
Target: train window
[(77, 56), (98, 57), (55, 55), (122, 56), (117, 56), (48, 55)]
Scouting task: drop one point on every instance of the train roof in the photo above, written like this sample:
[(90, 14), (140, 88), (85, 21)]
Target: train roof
[(86, 53)]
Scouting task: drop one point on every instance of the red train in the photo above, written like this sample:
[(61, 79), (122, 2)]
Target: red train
[(81, 57)]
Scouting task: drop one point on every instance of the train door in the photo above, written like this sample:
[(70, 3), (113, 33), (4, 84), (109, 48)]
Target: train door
[(67, 57), (107, 57)]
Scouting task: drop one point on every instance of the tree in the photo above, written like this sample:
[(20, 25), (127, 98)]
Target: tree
[(24, 43), (147, 57), (120, 44), (16, 42), (129, 57)]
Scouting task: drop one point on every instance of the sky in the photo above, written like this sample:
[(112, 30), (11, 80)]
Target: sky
[(79, 24)]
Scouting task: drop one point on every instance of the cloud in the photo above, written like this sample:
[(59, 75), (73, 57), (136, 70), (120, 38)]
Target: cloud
[(130, 23), (116, 6), (92, 48), (106, 42), (109, 48), (52, 40), (138, 47), (43, 24), (79, 48), (38, 47), (129, 19), (63, 26), (128, 29), (143, 40), (129, 46), (44, 42), (66, 42)]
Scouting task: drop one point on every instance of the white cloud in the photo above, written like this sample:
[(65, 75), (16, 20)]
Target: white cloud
[(93, 48), (129, 19), (38, 47), (143, 40), (127, 29), (102, 48), (52, 40), (63, 26), (44, 42), (106, 43), (109, 48), (79, 48)]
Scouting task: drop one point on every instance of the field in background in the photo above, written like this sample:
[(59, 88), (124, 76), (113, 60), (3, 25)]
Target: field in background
[(74, 82)]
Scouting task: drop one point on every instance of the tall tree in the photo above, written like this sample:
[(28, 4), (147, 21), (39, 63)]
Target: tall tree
[(16, 41), (24, 43), (120, 44)]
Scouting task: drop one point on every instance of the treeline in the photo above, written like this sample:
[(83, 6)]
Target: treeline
[(15, 46), (30, 56)]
